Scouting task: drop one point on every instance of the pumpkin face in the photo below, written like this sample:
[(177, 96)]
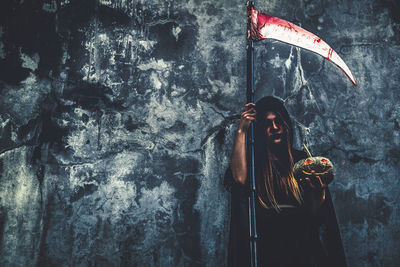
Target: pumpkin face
[(314, 166)]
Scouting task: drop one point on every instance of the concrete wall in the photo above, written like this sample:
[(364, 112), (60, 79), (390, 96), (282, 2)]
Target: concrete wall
[(117, 120)]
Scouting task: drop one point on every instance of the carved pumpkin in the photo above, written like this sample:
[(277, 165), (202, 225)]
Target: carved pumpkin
[(314, 166)]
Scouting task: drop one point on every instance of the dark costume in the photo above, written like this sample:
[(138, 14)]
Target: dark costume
[(291, 237)]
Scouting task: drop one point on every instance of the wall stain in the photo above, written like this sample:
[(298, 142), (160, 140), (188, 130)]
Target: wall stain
[(376, 209)]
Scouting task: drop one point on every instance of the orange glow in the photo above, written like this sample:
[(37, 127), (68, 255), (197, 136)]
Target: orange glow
[(308, 161)]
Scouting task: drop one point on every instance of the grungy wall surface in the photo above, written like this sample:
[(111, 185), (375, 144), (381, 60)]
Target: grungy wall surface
[(117, 120)]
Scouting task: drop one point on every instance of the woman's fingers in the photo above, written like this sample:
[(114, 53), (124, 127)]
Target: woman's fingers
[(250, 118), (319, 182), (316, 183), (249, 115), (318, 193), (248, 106), (310, 184), (250, 111)]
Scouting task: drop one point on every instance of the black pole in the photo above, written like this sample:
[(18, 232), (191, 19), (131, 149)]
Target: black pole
[(250, 153)]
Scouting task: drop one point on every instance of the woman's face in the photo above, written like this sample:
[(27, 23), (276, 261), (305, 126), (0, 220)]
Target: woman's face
[(274, 128)]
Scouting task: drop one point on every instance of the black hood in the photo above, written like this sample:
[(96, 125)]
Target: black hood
[(270, 103)]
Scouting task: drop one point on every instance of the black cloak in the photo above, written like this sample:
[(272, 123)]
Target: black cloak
[(292, 237)]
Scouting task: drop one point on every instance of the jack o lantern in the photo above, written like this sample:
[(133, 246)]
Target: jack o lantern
[(314, 166)]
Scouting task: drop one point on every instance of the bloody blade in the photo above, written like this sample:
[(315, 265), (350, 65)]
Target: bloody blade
[(263, 26)]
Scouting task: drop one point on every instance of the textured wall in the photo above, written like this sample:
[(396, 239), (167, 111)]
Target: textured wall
[(117, 120)]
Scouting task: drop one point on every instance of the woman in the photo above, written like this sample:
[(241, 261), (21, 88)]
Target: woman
[(290, 213)]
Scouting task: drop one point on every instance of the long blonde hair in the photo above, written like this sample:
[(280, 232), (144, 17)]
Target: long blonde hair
[(270, 174)]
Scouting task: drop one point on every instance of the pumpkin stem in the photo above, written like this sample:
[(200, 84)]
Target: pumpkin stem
[(307, 151)]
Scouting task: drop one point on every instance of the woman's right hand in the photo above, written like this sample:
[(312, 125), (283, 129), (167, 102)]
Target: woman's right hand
[(248, 115)]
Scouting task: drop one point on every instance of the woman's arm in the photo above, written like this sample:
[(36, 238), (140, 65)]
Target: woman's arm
[(238, 159)]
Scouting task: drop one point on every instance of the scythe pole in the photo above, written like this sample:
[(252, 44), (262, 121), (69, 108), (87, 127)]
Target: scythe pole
[(250, 157)]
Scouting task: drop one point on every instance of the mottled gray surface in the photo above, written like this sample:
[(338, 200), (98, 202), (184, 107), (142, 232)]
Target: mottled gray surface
[(117, 120)]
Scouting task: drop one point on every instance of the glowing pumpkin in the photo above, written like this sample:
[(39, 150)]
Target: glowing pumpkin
[(314, 166)]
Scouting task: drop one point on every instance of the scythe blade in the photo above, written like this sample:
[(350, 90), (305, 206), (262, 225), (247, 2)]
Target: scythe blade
[(263, 26)]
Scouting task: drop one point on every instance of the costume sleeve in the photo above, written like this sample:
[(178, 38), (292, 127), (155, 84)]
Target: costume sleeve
[(330, 232), (238, 250)]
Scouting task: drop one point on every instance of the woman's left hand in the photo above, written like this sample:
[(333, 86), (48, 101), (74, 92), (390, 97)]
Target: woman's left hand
[(317, 191)]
